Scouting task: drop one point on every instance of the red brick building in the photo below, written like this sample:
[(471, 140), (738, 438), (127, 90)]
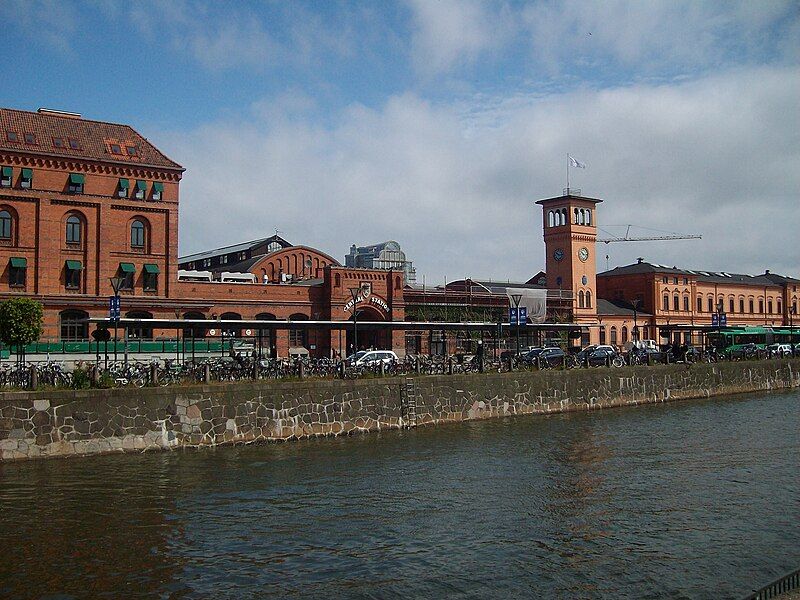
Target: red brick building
[(82, 201)]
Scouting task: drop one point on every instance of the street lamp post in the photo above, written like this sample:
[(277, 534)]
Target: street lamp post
[(792, 312), (636, 303), (116, 284), (516, 299), (354, 291), (720, 312)]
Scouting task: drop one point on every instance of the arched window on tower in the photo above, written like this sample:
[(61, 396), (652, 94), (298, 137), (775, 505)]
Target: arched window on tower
[(563, 216), (588, 299), (577, 216), (588, 216), (580, 299)]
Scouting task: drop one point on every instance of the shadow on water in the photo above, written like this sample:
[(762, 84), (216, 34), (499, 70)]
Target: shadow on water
[(686, 500)]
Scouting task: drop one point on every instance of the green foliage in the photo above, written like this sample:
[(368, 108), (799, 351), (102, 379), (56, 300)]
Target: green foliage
[(80, 379), (20, 322)]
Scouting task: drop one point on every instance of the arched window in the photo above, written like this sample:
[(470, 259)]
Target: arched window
[(602, 335), (761, 305), (624, 334), (6, 225), (577, 216), (74, 228), (73, 325), (137, 234), (752, 306), (613, 336), (195, 331), (731, 305), (686, 303), (769, 306), (337, 280), (588, 216), (549, 218), (580, 299), (588, 299), (780, 308), (711, 305), (140, 331), (397, 283), (563, 216), (676, 302), (741, 304), (666, 301), (699, 304)]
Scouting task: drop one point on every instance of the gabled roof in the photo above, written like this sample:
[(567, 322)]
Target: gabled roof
[(235, 248), (93, 138), (701, 275)]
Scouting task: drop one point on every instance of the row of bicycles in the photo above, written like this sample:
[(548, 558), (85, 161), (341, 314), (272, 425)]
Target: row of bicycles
[(239, 368)]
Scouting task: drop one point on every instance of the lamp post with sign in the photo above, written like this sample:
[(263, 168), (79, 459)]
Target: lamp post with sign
[(114, 307), (516, 316), (354, 292), (792, 313), (720, 320), (636, 303)]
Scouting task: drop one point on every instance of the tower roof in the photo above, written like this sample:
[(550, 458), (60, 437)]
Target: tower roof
[(562, 198)]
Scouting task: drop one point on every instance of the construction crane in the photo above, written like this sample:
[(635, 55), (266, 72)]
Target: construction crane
[(627, 238)]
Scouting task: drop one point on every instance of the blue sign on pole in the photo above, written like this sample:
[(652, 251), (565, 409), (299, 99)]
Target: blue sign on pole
[(714, 320), (523, 315), (512, 316), (723, 320), (113, 307), (719, 320)]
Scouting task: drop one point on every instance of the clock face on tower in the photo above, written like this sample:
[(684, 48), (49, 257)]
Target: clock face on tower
[(583, 254), (558, 254)]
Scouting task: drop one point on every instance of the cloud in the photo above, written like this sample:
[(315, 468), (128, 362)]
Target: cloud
[(718, 156), (449, 33), (43, 20)]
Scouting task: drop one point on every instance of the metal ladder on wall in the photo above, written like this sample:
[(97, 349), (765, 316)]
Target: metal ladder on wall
[(409, 403)]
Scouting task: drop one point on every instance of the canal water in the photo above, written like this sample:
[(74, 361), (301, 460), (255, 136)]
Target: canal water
[(685, 500)]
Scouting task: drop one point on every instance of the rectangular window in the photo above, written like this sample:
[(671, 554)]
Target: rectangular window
[(223, 260), (6, 175), (132, 150), (72, 274), (26, 181), (761, 306), (675, 280), (685, 281), (12, 136), (122, 188), (699, 305), (58, 142), (741, 305), (666, 279), (769, 306), (206, 262), (75, 184), (730, 305), (686, 303), (30, 138), (140, 190), (150, 277), (751, 306), (16, 272), (158, 190), (127, 272), (711, 305), (73, 143), (297, 338), (115, 149)]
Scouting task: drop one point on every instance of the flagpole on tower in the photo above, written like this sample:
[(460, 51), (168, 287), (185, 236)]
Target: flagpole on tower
[(567, 173)]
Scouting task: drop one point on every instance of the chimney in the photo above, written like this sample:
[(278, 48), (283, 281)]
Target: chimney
[(766, 272), (59, 113), (639, 260)]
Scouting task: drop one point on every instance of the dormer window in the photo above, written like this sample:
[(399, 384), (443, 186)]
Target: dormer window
[(132, 150), (158, 190), (115, 149), (30, 138), (73, 143), (58, 142), (12, 136)]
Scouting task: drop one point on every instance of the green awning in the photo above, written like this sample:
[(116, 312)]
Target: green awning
[(76, 178), (18, 262), (141, 185), (7, 171), (123, 184), (127, 267), (74, 265), (27, 173), (158, 186), (151, 268)]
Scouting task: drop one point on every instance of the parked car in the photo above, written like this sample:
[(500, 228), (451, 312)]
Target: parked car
[(582, 356), (368, 358), (546, 357), (779, 350), (604, 355)]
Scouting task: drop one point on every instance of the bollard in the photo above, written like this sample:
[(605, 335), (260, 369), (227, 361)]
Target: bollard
[(153, 374), (383, 369), (450, 366), (608, 361), (538, 363), (301, 370), (34, 377), (94, 375), (649, 359), (481, 365), (510, 364), (417, 364), (255, 368), (206, 373)]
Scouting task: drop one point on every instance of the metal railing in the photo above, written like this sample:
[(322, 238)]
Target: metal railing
[(787, 583)]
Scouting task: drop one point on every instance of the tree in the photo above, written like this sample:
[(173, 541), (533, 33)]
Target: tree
[(20, 323)]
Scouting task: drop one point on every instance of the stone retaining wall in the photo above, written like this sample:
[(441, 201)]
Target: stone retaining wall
[(65, 423)]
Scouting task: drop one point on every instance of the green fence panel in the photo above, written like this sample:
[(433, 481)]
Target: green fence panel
[(76, 347), (170, 347), (4, 354)]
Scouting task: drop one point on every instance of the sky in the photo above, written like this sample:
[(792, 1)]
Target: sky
[(439, 123)]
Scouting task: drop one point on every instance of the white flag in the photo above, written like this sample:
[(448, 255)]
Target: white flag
[(575, 163)]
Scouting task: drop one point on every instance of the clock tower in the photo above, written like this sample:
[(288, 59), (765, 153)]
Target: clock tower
[(570, 239)]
